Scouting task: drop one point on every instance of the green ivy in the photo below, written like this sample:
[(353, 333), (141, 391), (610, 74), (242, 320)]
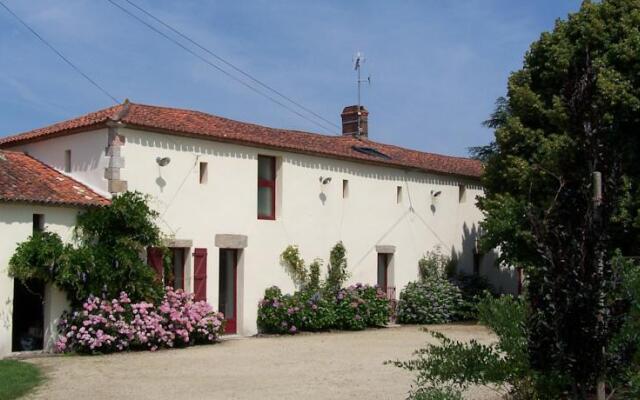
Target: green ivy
[(294, 264)]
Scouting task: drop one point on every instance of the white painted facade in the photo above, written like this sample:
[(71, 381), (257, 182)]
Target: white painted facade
[(312, 215), (16, 225)]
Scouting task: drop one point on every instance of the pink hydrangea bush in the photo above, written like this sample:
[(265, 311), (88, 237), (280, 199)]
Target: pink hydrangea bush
[(106, 326)]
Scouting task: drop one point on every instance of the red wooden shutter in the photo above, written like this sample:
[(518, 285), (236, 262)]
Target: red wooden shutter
[(155, 261), (200, 274)]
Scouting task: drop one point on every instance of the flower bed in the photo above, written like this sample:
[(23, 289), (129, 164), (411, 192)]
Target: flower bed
[(106, 326), (353, 308)]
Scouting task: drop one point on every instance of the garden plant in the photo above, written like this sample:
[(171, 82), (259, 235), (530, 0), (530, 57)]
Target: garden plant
[(118, 301), (111, 325), (440, 295), (320, 305), (105, 258)]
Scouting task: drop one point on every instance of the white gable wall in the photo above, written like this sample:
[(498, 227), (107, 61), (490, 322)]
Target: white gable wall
[(88, 159), (15, 227)]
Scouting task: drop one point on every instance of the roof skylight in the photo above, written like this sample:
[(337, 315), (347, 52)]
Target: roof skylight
[(370, 151)]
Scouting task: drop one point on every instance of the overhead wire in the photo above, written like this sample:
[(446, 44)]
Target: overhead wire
[(228, 63), (218, 68), (58, 53)]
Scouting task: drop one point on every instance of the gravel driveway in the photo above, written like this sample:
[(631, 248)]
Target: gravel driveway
[(344, 365)]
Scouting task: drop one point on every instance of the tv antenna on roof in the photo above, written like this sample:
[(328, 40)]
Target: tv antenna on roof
[(358, 60)]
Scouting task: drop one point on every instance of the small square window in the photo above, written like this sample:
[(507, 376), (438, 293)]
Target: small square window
[(204, 172), (345, 188), (67, 161), (398, 194), (462, 193), (38, 223)]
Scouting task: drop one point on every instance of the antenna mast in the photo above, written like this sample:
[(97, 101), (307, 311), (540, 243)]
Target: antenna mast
[(358, 60)]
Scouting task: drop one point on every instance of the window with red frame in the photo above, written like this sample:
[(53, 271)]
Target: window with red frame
[(266, 187)]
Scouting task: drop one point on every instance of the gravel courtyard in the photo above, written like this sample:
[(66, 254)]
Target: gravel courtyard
[(344, 365)]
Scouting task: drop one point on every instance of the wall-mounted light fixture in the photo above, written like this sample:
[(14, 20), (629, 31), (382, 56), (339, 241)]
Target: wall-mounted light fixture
[(326, 180), (434, 199), (163, 161)]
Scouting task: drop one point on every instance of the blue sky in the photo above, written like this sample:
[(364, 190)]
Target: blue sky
[(436, 66)]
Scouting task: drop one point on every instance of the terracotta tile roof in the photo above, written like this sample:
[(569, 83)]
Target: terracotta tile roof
[(25, 179), (195, 123)]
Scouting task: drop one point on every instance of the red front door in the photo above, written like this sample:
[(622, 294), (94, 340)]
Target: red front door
[(228, 296)]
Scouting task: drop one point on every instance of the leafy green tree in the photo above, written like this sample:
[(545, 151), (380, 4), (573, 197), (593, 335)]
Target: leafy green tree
[(107, 258), (571, 112)]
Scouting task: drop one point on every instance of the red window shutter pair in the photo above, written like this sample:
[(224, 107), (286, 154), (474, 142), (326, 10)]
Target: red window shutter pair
[(155, 261), (200, 274)]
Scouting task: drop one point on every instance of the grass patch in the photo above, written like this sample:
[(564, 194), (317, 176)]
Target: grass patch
[(17, 378)]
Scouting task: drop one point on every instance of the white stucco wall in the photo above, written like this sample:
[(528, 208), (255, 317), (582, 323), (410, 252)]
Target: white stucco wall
[(88, 159), (15, 227), (310, 215)]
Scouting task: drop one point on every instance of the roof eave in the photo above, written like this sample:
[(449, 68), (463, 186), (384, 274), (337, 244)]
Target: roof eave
[(52, 203), (296, 150), (9, 142)]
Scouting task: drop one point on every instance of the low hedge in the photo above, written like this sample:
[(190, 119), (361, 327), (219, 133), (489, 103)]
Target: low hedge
[(353, 308)]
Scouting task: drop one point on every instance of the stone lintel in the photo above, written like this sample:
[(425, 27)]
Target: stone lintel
[(385, 249), (178, 243), (229, 241)]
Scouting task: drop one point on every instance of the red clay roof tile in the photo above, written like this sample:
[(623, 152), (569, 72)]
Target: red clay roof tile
[(25, 179), (195, 123)]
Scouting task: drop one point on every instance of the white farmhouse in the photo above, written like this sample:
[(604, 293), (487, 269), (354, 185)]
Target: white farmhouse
[(33, 197), (232, 195)]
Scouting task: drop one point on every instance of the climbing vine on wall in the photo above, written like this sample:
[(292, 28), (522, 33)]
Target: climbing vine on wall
[(106, 259)]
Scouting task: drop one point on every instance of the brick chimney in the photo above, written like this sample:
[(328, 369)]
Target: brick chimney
[(350, 121)]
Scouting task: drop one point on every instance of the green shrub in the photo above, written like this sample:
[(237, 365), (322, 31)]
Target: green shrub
[(272, 312), (359, 306), (314, 275), (473, 288), (433, 264), (353, 308), (284, 313), (318, 305), (294, 265), (433, 300), (37, 258), (436, 394), (337, 273), (316, 313), (452, 366), (106, 260)]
